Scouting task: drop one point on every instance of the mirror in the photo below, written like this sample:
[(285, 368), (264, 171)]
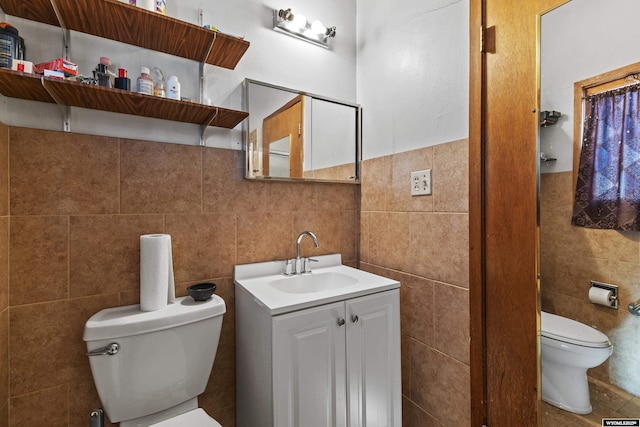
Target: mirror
[(577, 44), (298, 136)]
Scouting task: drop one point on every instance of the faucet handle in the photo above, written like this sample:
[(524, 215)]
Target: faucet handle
[(307, 264), (288, 267)]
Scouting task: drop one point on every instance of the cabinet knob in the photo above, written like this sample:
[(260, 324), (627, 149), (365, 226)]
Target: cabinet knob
[(341, 322), (354, 318)]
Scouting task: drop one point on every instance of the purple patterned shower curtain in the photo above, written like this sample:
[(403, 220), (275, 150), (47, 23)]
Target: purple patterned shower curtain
[(608, 187)]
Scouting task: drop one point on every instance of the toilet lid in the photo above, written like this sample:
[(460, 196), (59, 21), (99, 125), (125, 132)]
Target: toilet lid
[(567, 330), (195, 418)]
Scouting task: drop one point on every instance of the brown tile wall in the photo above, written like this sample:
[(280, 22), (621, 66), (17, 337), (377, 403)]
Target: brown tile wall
[(344, 172), (573, 256), (423, 243), (78, 205)]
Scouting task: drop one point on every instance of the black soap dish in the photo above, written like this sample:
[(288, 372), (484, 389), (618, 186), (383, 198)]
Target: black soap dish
[(201, 291)]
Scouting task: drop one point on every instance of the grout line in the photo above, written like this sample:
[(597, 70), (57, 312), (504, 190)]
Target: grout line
[(68, 256), (8, 153), (7, 309), (119, 176), (236, 228)]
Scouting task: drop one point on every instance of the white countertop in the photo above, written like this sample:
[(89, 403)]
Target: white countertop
[(255, 279)]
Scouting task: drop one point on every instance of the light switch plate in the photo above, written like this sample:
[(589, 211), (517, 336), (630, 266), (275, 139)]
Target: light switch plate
[(421, 183)]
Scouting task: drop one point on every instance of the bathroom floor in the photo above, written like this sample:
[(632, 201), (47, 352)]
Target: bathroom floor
[(607, 401)]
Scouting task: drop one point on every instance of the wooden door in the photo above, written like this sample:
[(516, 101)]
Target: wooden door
[(504, 235), (286, 122), (373, 360), (309, 368)]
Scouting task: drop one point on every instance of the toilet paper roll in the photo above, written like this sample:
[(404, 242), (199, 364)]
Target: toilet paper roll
[(157, 286), (600, 296)]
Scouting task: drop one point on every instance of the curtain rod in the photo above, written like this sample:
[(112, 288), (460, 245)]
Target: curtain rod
[(630, 80)]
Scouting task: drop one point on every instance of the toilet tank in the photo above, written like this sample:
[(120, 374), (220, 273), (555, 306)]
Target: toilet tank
[(164, 356)]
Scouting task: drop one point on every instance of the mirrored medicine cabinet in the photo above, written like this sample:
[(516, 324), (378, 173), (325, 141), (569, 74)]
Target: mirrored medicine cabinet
[(293, 135)]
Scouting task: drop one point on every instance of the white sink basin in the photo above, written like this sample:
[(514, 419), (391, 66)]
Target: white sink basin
[(315, 282), (330, 281)]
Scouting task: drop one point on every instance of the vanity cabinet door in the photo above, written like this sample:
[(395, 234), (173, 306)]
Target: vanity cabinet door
[(309, 371), (373, 360)]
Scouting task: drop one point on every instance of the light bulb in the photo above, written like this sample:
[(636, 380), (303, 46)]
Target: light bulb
[(299, 21), (318, 28)]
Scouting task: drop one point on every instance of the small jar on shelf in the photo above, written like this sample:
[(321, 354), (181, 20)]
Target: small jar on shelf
[(144, 84)]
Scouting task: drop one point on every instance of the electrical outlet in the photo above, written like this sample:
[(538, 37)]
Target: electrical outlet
[(421, 183)]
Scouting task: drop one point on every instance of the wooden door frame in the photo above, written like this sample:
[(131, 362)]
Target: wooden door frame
[(296, 148), (476, 216), (483, 196)]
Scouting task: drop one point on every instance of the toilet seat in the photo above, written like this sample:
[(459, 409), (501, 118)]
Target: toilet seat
[(570, 331), (194, 418)]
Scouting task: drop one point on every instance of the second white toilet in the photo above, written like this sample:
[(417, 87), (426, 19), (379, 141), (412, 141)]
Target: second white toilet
[(569, 348)]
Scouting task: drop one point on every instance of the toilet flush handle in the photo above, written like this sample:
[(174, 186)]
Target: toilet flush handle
[(110, 350), (634, 308)]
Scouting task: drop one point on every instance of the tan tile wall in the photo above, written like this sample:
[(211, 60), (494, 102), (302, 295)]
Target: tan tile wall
[(570, 258), (423, 242), (78, 205), (344, 172)]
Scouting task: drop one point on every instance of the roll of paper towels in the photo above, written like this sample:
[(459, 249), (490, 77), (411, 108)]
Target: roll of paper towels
[(157, 286), (601, 296)]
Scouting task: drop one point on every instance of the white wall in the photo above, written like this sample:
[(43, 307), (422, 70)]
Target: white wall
[(333, 127), (413, 73), (273, 57), (580, 39)]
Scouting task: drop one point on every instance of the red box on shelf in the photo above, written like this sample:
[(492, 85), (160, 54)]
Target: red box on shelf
[(60, 64)]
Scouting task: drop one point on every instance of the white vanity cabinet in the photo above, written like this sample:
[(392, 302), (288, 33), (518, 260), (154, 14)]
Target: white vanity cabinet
[(332, 365), (338, 364), (374, 380), (309, 367)]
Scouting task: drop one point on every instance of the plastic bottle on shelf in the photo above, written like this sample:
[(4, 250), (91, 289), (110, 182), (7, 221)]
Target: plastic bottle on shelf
[(147, 4), (159, 89), (173, 88), (161, 6), (158, 82), (144, 83)]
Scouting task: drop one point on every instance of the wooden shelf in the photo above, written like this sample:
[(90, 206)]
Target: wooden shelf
[(35, 88), (227, 119), (38, 10), (118, 21), (24, 86)]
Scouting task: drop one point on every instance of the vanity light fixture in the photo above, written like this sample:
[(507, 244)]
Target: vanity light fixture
[(297, 26)]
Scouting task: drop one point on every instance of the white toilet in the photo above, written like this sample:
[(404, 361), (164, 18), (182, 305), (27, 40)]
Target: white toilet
[(569, 348), (155, 364)]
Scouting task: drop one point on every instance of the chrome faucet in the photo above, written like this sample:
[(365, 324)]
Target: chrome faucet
[(298, 263)]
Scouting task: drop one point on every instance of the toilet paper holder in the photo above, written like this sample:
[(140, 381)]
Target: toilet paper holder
[(609, 287)]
